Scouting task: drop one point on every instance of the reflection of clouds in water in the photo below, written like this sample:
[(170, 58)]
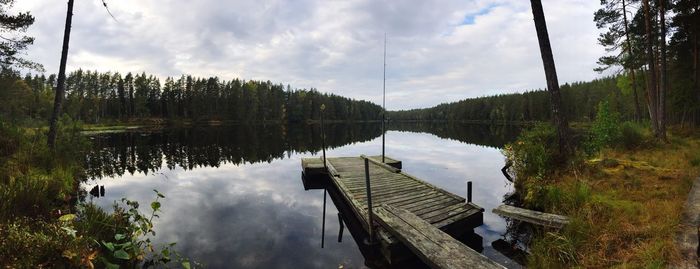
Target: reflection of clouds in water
[(259, 216), (254, 216)]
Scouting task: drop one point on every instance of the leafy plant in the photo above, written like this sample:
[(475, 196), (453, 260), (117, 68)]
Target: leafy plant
[(605, 130), (533, 153), (132, 244)]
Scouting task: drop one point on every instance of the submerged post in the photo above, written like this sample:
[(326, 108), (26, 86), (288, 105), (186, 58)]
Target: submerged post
[(469, 191), (342, 226), (323, 225), (370, 218), (323, 137)]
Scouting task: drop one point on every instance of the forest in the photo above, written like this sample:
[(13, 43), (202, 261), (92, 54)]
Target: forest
[(635, 40), (94, 97), (621, 177)]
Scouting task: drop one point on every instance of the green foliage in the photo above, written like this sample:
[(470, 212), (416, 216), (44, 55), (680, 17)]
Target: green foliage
[(29, 242), (132, 240), (96, 97), (632, 135), (695, 160), (605, 130), (559, 249), (533, 153), (14, 24)]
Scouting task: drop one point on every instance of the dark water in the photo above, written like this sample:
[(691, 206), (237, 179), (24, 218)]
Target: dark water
[(235, 196)]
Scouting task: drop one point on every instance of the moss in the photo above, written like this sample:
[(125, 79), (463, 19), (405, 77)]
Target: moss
[(625, 206)]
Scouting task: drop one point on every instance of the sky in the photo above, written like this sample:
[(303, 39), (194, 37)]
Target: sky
[(437, 51)]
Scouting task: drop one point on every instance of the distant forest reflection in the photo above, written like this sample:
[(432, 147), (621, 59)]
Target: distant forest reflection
[(490, 135), (145, 152)]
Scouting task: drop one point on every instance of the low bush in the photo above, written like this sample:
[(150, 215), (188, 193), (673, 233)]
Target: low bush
[(632, 135), (605, 130), (534, 152)]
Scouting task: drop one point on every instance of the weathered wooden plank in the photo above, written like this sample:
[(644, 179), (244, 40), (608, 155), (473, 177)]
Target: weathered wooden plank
[(438, 201), (382, 165), (446, 212), (377, 180), (395, 191), (389, 161), (465, 215), (435, 187), (432, 246), (424, 195), (406, 197), (442, 206), (380, 187), (355, 185), (312, 163), (531, 216)]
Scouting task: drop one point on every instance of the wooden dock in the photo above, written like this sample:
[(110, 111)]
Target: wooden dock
[(531, 216), (447, 214)]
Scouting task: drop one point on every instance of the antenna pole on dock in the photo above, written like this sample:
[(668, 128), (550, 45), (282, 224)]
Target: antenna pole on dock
[(384, 102), (323, 137)]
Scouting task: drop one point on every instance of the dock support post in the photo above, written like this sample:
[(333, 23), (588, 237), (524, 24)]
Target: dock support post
[(323, 225), (342, 227), (469, 191), (370, 217)]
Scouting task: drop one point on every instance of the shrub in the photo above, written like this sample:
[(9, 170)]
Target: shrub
[(605, 130), (632, 135), (533, 153)]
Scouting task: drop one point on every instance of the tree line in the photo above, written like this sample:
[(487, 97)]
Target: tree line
[(94, 97), (189, 148), (581, 99), (653, 79)]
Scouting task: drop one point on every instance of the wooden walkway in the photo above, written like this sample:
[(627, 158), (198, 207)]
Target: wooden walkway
[(391, 187), (531, 216), (434, 247)]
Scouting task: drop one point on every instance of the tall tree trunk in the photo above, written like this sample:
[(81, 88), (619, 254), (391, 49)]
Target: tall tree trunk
[(61, 84), (628, 43), (696, 58), (663, 83), (651, 78), (550, 71)]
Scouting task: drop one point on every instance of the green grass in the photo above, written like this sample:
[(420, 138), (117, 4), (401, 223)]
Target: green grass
[(625, 204)]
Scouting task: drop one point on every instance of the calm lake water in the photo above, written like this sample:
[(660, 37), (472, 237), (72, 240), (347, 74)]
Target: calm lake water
[(235, 196)]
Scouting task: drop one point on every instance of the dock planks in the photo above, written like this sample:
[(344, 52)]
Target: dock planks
[(434, 247), (392, 188)]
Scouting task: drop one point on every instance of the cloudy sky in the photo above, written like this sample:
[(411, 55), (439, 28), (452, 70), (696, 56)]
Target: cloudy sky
[(438, 50)]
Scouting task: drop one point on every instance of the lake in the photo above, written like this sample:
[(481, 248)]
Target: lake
[(235, 197)]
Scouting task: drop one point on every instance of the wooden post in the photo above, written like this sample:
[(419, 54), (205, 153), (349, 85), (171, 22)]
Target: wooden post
[(342, 227), (469, 191), (370, 218), (323, 225)]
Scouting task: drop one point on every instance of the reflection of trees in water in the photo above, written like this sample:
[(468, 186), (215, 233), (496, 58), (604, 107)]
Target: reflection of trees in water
[(146, 152), (479, 134)]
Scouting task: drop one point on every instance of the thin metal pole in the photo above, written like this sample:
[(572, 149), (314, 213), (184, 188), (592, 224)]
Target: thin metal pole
[(384, 103), (469, 191), (323, 138), (370, 216)]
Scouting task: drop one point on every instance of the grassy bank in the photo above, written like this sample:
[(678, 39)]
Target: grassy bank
[(43, 224), (624, 191)]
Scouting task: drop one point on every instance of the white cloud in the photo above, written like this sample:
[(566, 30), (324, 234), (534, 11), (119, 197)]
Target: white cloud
[(439, 51)]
